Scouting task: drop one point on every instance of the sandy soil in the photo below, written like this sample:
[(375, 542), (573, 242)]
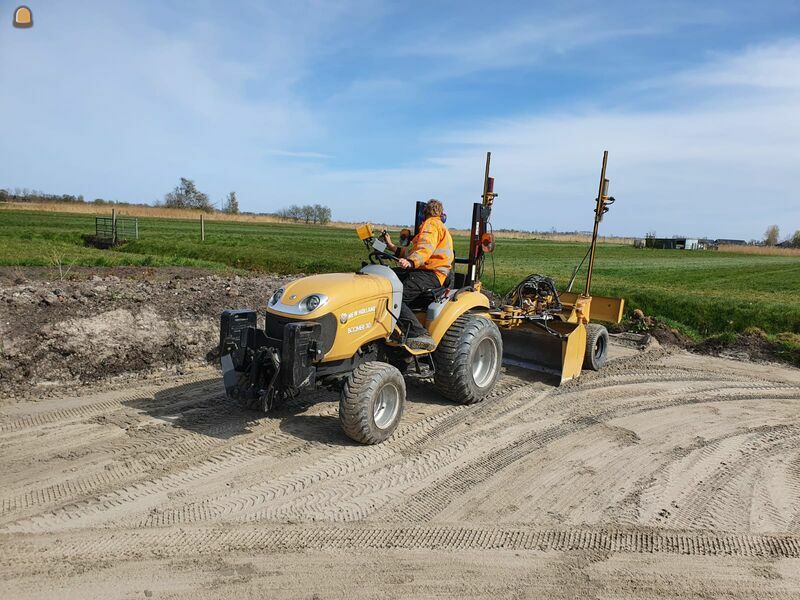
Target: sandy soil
[(667, 475)]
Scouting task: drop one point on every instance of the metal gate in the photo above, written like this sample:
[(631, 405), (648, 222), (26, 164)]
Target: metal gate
[(111, 231)]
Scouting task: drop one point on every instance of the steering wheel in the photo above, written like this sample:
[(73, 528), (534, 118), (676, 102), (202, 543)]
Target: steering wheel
[(376, 257)]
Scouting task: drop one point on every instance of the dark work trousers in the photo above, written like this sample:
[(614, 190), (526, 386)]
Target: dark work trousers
[(416, 283)]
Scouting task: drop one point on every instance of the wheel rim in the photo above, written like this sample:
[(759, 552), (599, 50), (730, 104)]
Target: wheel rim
[(484, 362), (599, 346), (386, 406)]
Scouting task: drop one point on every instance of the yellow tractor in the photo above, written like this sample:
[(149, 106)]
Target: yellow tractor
[(341, 331)]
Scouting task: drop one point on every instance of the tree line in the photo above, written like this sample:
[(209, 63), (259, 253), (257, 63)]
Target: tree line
[(28, 195), (185, 195), (308, 213), (773, 234)]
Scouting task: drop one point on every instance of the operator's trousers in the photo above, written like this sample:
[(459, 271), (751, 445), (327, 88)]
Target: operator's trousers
[(416, 283)]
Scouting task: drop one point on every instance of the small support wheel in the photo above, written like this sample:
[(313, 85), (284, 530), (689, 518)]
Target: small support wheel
[(596, 347), (372, 401)]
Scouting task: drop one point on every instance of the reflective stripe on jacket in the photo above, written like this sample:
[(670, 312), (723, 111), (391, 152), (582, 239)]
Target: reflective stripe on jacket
[(431, 249)]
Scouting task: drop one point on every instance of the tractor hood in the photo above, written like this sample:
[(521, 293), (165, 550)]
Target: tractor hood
[(316, 295)]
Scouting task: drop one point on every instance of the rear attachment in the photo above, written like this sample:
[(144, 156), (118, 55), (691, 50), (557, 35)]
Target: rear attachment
[(540, 332), (546, 331), (557, 349)]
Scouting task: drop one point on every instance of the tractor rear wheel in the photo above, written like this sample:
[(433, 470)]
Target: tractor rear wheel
[(468, 359), (596, 347), (372, 401)]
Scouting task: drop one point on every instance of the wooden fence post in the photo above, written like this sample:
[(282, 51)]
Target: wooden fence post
[(113, 226), (202, 227), (136, 226)]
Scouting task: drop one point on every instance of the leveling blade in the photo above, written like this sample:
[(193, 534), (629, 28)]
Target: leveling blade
[(531, 347)]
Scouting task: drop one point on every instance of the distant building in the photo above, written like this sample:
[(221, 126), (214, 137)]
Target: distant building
[(706, 244), (731, 242), (674, 243)]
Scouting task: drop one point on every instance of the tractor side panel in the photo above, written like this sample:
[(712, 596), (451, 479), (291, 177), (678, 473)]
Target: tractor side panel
[(466, 301), (357, 303), (360, 322)]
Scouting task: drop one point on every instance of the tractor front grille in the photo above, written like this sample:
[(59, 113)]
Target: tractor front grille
[(275, 325)]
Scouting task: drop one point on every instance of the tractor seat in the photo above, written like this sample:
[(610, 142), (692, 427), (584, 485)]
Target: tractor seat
[(438, 293), (435, 300), (434, 294)]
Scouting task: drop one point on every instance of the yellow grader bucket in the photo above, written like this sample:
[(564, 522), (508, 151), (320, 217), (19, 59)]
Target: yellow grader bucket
[(559, 353)]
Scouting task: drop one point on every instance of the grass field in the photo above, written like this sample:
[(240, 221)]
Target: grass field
[(706, 292), (142, 210)]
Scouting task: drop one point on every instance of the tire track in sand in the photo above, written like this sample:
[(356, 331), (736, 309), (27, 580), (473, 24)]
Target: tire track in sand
[(91, 409), (429, 501), (144, 543)]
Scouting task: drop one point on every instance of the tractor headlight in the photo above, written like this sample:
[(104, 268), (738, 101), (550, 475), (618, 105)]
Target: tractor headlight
[(312, 303), (276, 297)]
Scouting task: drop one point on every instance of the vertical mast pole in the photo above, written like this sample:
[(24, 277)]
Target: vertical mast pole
[(486, 185), (598, 214)]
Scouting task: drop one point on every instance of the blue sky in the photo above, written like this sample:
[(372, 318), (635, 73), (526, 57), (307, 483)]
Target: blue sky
[(370, 106)]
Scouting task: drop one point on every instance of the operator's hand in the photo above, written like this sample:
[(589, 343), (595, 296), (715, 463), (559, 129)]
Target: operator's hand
[(388, 240), (405, 264)]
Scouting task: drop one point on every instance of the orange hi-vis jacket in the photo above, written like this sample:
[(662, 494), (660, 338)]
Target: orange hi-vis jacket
[(431, 249)]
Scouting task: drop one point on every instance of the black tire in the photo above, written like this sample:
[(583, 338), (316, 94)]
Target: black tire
[(596, 347), (469, 338), (359, 409)]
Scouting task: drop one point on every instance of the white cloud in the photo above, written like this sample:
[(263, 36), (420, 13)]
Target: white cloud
[(718, 162), (110, 99), (511, 38), (299, 154), (766, 67), (107, 99)]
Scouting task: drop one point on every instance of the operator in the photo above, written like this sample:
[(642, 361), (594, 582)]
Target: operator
[(425, 265)]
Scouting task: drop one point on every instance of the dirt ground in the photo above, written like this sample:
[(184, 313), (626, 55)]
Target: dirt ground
[(666, 475), (101, 324)]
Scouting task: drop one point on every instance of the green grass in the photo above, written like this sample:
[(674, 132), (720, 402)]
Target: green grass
[(704, 292)]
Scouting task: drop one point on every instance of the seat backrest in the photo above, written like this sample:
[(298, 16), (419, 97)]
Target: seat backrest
[(450, 279)]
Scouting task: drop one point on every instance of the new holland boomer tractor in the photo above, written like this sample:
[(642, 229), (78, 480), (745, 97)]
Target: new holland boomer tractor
[(341, 331)]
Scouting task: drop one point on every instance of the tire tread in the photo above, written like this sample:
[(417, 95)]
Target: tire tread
[(453, 376), (355, 414)]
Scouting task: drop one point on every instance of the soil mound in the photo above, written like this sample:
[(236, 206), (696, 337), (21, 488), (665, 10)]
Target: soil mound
[(106, 323)]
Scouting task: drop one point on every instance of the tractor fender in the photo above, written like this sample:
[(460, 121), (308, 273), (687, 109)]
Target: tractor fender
[(455, 305)]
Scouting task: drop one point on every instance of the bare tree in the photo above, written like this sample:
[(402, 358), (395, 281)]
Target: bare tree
[(231, 204), (307, 213), (322, 214), (771, 235), (186, 195)]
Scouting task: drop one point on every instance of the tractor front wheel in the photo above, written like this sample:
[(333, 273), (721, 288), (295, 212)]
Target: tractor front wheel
[(596, 347), (468, 359), (372, 401)]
